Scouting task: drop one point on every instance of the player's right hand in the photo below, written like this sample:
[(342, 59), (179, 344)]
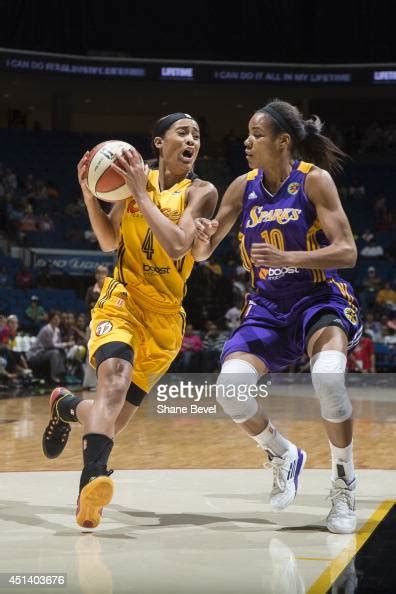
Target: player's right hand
[(82, 177), (205, 228)]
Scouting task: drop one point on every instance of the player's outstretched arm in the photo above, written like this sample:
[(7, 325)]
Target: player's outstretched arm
[(105, 226), (176, 239), (211, 233)]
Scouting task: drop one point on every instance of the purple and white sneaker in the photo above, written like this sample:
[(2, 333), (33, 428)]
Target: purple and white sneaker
[(286, 471)]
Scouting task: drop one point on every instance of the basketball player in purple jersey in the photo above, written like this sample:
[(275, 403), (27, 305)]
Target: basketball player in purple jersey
[(294, 234)]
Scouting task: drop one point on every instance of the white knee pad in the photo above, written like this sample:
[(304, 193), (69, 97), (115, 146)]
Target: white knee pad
[(232, 389), (328, 379)]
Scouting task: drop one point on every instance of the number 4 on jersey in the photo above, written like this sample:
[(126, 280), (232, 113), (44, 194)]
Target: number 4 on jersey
[(148, 245)]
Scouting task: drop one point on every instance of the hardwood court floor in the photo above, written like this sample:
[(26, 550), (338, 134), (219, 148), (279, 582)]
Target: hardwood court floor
[(190, 512), (156, 442)]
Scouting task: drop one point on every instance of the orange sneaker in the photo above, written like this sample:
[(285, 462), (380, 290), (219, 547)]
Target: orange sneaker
[(93, 497)]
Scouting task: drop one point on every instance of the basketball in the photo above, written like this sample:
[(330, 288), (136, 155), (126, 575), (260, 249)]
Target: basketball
[(102, 180)]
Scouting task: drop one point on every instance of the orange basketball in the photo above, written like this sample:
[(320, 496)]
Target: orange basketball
[(102, 180)]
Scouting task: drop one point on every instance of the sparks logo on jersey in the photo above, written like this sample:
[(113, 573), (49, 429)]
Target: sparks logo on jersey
[(133, 207), (252, 196), (293, 188), (120, 302), (104, 328), (281, 215), (351, 315), (275, 273)]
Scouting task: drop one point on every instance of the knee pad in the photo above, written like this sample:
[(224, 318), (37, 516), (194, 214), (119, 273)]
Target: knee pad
[(328, 379), (232, 389)]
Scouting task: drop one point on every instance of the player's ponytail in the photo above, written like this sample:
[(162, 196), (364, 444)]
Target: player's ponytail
[(317, 148), (307, 141)]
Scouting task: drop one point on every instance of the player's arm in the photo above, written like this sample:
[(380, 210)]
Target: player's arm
[(211, 233), (341, 253), (176, 239), (202, 200), (105, 226)]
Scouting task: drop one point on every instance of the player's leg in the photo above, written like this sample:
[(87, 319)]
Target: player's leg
[(243, 370), (327, 347), (96, 488), (66, 408)]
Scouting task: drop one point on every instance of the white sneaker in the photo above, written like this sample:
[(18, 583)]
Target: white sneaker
[(342, 516), (286, 472)]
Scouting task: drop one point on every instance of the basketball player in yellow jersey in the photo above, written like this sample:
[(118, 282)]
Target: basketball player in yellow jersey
[(138, 321)]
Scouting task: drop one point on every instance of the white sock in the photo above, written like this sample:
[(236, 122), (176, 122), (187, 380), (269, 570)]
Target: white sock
[(342, 463), (272, 441)]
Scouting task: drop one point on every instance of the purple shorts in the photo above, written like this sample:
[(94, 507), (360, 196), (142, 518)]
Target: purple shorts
[(276, 331)]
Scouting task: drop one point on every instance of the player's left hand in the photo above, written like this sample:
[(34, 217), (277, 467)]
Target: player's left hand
[(133, 170), (265, 254)]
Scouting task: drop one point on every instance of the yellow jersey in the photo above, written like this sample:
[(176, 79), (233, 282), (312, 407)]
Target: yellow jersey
[(152, 278)]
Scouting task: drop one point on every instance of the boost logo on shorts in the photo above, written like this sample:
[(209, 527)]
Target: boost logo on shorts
[(350, 315), (104, 328)]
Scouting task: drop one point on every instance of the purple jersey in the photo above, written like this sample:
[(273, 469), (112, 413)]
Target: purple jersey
[(279, 314), (287, 220)]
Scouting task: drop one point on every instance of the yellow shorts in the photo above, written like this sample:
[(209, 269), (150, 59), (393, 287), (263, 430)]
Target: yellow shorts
[(155, 338)]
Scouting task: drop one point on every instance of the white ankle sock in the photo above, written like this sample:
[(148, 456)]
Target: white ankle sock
[(342, 463), (272, 441)]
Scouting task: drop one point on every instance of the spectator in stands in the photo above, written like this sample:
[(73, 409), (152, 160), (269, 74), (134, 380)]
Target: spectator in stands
[(82, 324), (362, 358), (93, 292), (213, 343), (370, 286), (372, 327), (69, 332), (15, 212), (372, 250), (367, 236), (16, 365), (188, 360), (45, 223), (24, 278), (239, 284), (214, 266), (4, 329), (386, 297), (356, 189), (49, 349), (384, 320), (390, 339), (35, 315), (21, 365), (233, 317), (28, 221)]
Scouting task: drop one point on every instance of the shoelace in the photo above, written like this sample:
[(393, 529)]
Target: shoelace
[(341, 496), (58, 429), (276, 466)]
